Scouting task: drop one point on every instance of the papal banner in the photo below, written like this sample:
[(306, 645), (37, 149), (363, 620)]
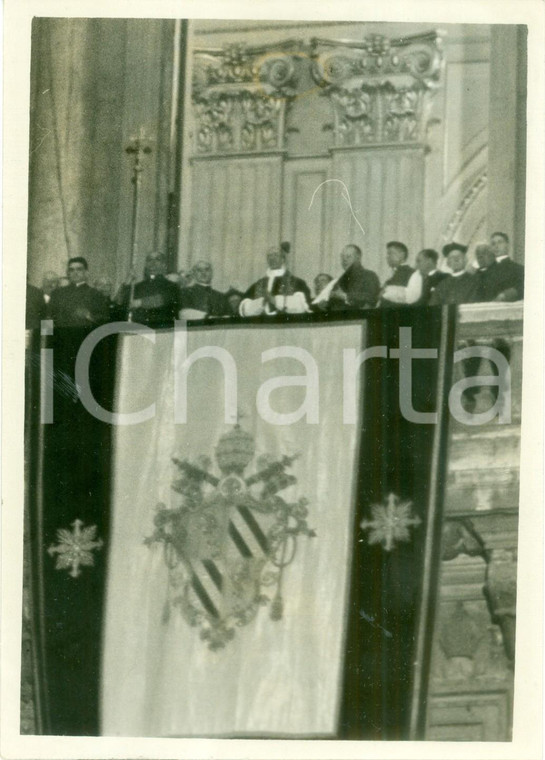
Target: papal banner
[(260, 561)]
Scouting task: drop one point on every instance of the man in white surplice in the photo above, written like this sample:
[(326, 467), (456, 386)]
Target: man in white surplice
[(278, 292)]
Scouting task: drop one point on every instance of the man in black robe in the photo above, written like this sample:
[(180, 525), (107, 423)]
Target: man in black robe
[(426, 266), (279, 292), (484, 274), (200, 300), (78, 304), (461, 286), (50, 282), (397, 254), (35, 307), (356, 288), (506, 280), (155, 300)]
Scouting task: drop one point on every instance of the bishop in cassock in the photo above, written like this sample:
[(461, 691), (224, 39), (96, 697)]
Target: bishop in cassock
[(200, 300), (155, 300)]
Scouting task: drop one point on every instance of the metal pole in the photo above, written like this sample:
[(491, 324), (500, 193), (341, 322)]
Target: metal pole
[(138, 147)]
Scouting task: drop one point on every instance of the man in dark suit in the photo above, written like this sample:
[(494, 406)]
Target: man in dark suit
[(396, 256), (357, 287), (78, 304), (35, 307), (279, 292), (200, 300), (460, 287), (484, 275), (507, 278), (155, 300), (430, 276), (50, 282)]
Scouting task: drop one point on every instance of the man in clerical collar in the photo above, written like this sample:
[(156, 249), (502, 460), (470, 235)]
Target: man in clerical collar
[(279, 292), (485, 266), (154, 301), (430, 277), (460, 287), (397, 254), (508, 280), (355, 288), (200, 300), (78, 304)]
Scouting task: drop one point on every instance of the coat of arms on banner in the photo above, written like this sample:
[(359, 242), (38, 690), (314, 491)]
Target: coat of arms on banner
[(230, 537)]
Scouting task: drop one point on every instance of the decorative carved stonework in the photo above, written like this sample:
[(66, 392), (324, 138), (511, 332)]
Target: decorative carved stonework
[(377, 56), (501, 593), (460, 633), (269, 67), (459, 537), (471, 195), (470, 648), (380, 88), (240, 96), (237, 121), (500, 587)]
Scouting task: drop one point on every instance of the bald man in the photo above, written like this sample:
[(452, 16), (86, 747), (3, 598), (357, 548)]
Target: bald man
[(200, 300), (155, 300)]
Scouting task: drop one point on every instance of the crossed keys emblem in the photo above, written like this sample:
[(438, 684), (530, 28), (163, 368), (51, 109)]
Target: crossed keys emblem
[(228, 538)]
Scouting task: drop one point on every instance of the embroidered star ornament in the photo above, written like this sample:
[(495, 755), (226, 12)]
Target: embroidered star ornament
[(75, 548), (391, 522)]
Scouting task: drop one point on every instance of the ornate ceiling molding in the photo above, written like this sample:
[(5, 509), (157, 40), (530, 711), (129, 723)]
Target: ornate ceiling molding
[(240, 95), (379, 90)]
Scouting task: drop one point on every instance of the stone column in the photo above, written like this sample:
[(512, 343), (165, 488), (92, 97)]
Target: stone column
[(507, 135)]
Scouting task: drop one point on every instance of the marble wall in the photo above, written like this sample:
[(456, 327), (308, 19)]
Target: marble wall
[(437, 184)]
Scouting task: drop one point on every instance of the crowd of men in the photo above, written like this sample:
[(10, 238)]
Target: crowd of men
[(160, 298)]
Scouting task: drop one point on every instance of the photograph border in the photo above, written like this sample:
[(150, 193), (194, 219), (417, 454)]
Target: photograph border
[(528, 712)]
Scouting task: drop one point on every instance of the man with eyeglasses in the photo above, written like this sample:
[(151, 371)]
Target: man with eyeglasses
[(78, 304)]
